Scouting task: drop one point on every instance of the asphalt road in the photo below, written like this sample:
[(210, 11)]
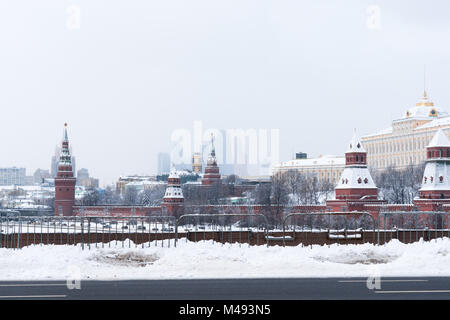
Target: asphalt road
[(233, 289)]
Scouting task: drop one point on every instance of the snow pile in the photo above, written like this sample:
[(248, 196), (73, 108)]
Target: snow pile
[(214, 260)]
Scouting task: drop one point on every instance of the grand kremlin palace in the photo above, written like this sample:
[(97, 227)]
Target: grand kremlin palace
[(404, 143)]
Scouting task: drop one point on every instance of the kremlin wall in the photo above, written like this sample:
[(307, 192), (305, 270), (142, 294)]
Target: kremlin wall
[(355, 189)]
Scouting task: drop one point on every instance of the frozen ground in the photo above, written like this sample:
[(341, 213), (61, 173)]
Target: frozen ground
[(212, 260)]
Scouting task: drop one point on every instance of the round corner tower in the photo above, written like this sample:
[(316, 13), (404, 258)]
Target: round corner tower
[(356, 183), (65, 181), (173, 199), (436, 177)]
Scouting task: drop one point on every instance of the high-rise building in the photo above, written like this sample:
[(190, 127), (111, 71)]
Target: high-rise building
[(40, 175), (163, 163), (84, 180), (12, 176), (83, 173), (65, 180), (197, 162)]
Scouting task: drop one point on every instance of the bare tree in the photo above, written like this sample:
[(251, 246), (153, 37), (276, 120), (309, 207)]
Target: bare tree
[(91, 197), (399, 185), (131, 196), (293, 180), (151, 196), (279, 196)]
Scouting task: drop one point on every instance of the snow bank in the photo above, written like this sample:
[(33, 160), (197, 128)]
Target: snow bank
[(214, 260)]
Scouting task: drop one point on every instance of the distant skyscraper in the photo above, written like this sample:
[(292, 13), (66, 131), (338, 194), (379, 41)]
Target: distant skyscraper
[(83, 173), (197, 162), (54, 165), (39, 176), (163, 163)]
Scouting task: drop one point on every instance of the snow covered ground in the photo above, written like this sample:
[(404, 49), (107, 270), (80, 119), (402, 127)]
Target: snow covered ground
[(212, 260)]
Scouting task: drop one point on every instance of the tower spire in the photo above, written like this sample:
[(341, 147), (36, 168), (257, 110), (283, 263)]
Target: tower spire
[(213, 149), (65, 136)]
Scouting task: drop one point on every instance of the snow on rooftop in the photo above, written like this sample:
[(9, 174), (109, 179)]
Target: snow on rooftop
[(381, 132), (355, 145), (436, 123), (145, 182), (424, 109), (356, 178), (439, 140), (326, 160)]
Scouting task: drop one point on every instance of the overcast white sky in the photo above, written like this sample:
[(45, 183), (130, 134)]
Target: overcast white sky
[(136, 70)]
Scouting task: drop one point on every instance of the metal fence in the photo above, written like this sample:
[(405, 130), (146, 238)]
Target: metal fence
[(17, 232), (251, 228), (326, 227), (410, 226), (229, 227)]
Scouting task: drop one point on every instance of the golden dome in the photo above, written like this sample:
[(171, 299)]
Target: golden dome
[(424, 102)]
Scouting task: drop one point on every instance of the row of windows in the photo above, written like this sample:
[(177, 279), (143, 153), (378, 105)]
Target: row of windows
[(439, 153), (356, 159), (425, 179), (396, 161), (360, 180), (392, 146)]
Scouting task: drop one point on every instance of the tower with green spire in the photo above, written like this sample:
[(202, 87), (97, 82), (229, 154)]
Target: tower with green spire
[(64, 180)]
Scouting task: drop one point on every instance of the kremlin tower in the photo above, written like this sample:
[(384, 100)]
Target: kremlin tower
[(212, 174), (173, 199), (64, 181), (355, 187), (435, 189)]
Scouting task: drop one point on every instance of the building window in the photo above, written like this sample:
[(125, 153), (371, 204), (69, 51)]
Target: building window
[(441, 179), (359, 180)]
